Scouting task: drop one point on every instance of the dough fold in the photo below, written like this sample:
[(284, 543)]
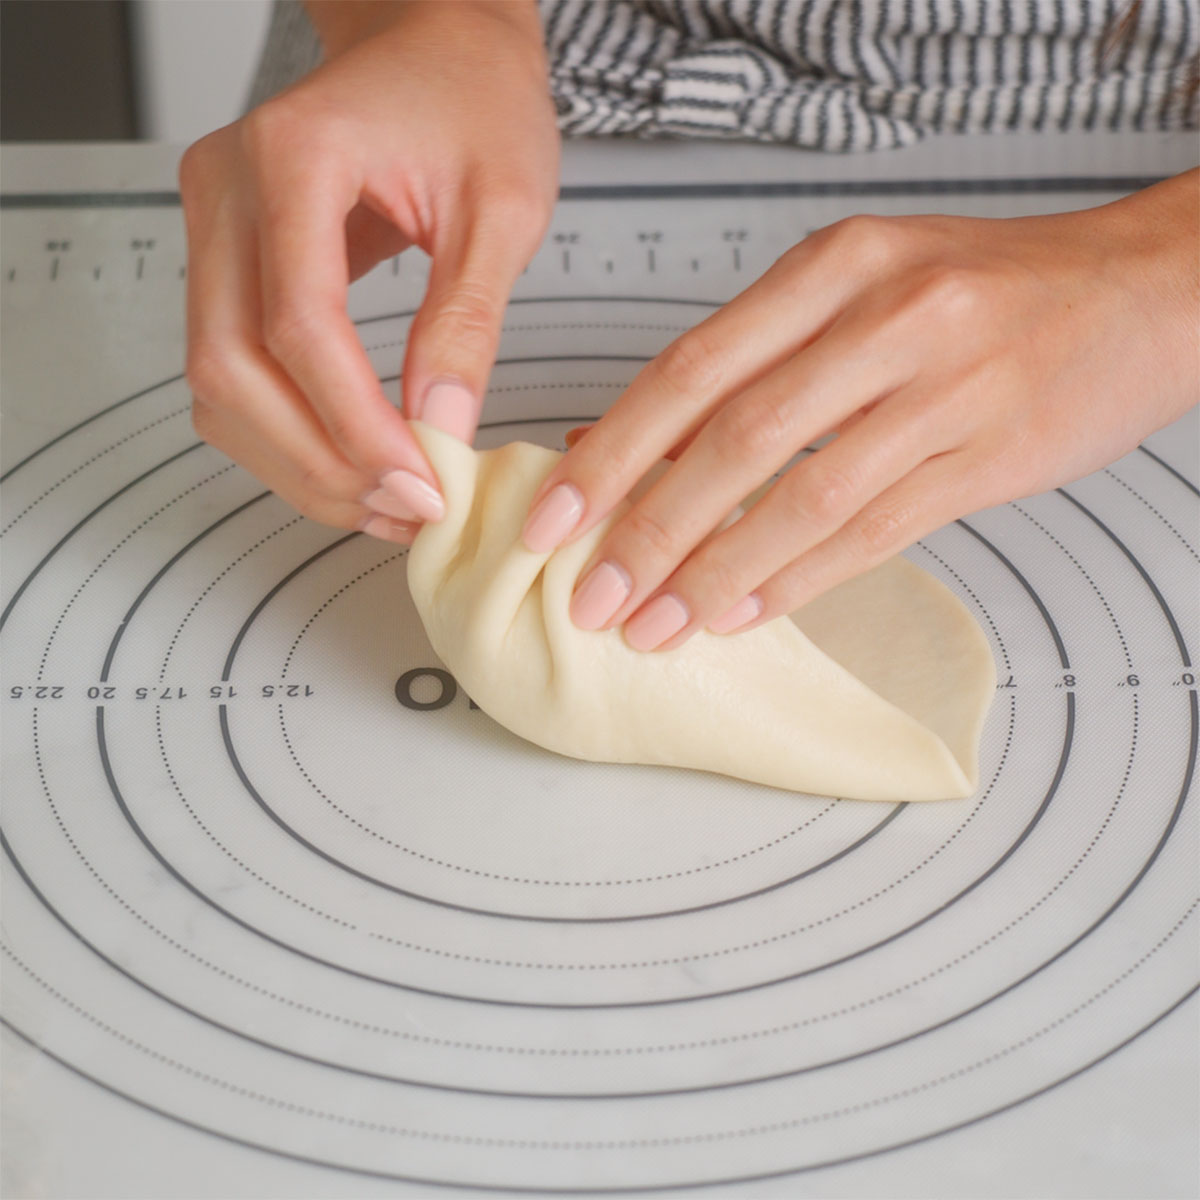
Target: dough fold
[(876, 691)]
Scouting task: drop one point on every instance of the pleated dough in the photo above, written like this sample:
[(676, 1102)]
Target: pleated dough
[(876, 691)]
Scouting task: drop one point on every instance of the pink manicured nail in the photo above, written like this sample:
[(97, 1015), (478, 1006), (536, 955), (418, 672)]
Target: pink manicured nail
[(605, 588), (383, 502), (662, 618), (553, 519), (451, 408), (745, 610), (402, 532), (411, 490)]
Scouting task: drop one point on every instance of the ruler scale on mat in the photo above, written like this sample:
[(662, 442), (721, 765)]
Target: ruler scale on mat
[(285, 915)]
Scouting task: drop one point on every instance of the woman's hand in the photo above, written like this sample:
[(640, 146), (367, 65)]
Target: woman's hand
[(961, 363), (430, 125)]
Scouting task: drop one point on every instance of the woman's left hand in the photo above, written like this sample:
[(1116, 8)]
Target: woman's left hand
[(961, 363)]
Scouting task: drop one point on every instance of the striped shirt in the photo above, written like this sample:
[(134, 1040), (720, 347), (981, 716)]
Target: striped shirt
[(848, 74)]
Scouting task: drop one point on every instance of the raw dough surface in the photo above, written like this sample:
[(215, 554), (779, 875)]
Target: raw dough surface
[(876, 691)]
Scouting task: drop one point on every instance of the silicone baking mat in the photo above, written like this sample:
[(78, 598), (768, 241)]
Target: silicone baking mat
[(285, 915)]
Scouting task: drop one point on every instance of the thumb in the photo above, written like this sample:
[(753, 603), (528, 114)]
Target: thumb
[(454, 336)]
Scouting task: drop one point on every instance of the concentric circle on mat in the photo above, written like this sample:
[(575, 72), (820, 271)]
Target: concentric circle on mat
[(272, 875)]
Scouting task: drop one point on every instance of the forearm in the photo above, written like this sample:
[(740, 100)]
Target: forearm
[(341, 24)]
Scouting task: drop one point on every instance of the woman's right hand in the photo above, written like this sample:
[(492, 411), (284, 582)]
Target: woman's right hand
[(430, 124)]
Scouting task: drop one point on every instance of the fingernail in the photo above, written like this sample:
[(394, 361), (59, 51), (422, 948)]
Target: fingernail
[(605, 588), (451, 408), (402, 532), (662, 618), (745, 610), (387, 504), (553, 519), (411, 490)]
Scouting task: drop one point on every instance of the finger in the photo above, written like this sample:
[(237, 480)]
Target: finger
[(573, 437), (454, 337), (277, 439), (336, 501), (674, 394), (745, 442), (937, 492), (223, 309), (809, 504), (307, 330), (403, 533), (244, 403)]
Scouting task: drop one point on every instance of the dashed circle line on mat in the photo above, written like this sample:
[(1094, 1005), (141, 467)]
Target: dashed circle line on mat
[(726, 951), (88, 462), (212, 584), (1185, 543), (437, 862), (1127, 771), (587, 1052), (174, 943), (708, 1137), (288, 1001), (391, 558), (404, 1035), (557, 387), (472, 870), (99, 566), (199, 959), (162, 749), (556, 325), (1091, 582)]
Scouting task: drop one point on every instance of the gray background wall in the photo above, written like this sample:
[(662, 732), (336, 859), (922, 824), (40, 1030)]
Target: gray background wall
[(112, 70)]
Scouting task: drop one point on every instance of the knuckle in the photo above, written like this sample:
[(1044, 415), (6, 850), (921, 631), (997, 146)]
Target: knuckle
[(289, 328), (341, 518), (290, 146), (210, 372), (270, 128), (862, 241), (204, 422), (803, 250), (881, 531), (949, 292), (516, 208), (690, 365), (788, 589), (194, 169), (645, 531), (319, 484), (468, 312), (345, 432), (715, 577), (309, 506), (605, 460), (830, 493), (752, 430), (320, 506)]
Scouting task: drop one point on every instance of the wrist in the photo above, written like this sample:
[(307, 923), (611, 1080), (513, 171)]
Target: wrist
[(1160, 225)]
